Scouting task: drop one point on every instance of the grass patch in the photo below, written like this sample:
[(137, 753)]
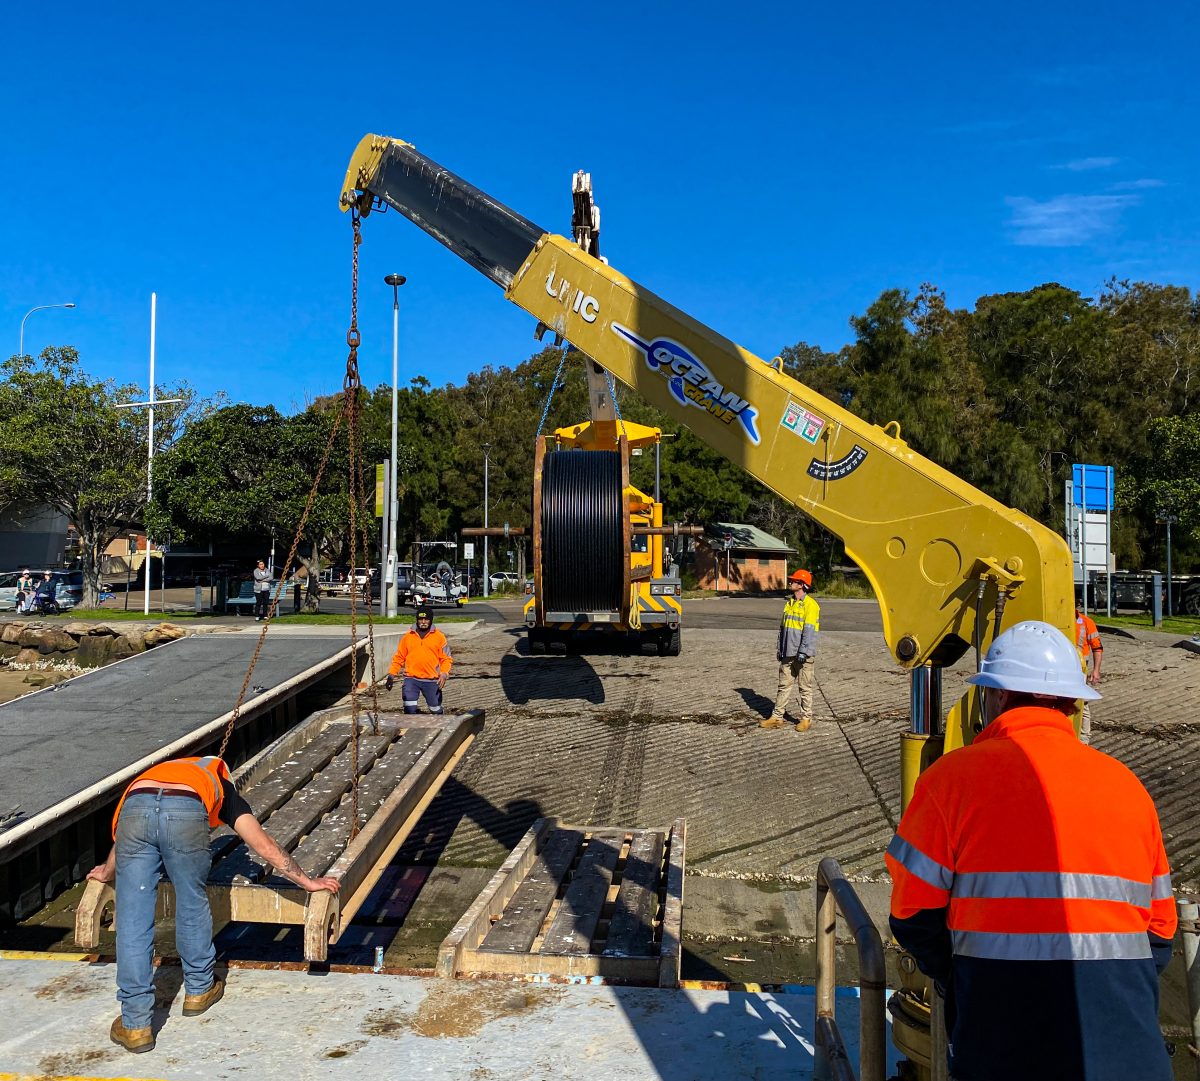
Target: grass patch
[(843, 588), (1185, 625)]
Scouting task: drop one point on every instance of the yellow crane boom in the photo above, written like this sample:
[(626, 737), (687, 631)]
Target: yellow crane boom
[(947, 561)]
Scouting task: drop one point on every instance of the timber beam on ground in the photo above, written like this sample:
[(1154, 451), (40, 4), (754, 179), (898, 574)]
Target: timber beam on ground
[(300, 788)]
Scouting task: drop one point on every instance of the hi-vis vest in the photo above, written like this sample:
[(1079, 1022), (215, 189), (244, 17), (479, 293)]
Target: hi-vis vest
[(798, 627), (202, 775), (1087, 637), (1040, 849)]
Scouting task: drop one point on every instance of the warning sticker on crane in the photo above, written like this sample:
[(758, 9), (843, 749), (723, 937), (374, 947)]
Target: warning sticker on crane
[(799, 420), (691, 383)]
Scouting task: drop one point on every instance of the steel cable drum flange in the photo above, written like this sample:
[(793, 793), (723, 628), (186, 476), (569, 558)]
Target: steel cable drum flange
[(581, 531)]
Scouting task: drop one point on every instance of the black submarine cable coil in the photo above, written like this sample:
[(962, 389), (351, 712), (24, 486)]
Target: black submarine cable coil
[(582, 531)]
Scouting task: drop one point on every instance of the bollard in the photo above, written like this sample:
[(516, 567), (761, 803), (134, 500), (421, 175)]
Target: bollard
[(1189, 913)]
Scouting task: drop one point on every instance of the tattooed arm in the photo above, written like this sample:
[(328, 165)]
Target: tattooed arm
[(263, 844)]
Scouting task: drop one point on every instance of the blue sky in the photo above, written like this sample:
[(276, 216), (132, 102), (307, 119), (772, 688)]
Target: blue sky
[(766, 168)]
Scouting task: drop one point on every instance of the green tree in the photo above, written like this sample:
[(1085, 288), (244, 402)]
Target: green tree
[(64, 444), (1167, 481), (246, 472)]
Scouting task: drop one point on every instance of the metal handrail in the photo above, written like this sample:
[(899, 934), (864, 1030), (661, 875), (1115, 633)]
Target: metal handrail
[(831, 1063)]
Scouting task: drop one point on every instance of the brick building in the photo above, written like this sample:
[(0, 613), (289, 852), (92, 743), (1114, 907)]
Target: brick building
[(751, 562)]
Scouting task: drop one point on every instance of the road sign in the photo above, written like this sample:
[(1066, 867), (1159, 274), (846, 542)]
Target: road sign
[(468, 550)]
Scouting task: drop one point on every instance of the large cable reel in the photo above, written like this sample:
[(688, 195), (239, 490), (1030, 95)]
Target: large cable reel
[(581, 537)]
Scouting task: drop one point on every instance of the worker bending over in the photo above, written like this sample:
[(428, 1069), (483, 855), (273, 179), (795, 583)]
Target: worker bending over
[(424, 657), (1030, 881), (161, 825)]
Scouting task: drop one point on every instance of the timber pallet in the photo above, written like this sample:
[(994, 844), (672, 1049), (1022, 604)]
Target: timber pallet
[(585, 902), (299, 788)]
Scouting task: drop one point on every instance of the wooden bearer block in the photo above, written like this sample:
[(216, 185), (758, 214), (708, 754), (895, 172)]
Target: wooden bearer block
[(572, 929), (631, 929), (518, 926), (523, 916), (469, 932)]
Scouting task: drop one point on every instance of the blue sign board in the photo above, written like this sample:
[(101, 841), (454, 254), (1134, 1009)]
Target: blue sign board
[(1092, 486)]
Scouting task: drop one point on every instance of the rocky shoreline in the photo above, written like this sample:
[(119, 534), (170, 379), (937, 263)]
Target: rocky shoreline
[(83, 645)]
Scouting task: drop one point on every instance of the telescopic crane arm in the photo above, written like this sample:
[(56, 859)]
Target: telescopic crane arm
[(945, 559)]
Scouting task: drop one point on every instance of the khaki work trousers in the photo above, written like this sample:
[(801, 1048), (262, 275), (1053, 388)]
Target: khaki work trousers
[(792, 674)]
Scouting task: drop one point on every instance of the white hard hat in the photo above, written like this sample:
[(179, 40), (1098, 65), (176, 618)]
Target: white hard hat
[(1035, 658)]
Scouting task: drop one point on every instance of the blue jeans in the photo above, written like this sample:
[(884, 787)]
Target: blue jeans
[(414, 688), (158, 833)]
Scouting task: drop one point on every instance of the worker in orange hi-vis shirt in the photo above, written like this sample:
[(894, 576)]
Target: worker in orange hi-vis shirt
[(424, 657), (1029, 876), (1087, 642)]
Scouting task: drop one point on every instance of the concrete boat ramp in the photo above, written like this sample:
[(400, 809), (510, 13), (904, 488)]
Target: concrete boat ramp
[(67, 752), (277, 1025)]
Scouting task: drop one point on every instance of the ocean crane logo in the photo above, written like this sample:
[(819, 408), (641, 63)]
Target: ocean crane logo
[(691, 383)]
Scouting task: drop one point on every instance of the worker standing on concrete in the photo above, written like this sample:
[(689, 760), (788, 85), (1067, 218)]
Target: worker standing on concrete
[(262, 590), (796, 652), (161, 824), (1087, 642), (424, 657), (1030, 879)]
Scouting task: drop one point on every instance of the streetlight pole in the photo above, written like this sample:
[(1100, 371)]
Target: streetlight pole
[(150, 404), (39, 308), (1165, 518), (395, 281), (487, 585)]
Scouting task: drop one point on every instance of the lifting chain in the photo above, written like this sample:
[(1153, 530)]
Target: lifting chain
[(351, 386), (566, 348)]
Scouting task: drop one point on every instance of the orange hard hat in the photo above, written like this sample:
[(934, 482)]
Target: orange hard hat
[(801, 576)]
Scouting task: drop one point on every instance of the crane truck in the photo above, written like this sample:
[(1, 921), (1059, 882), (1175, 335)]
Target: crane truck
[(951, 566)]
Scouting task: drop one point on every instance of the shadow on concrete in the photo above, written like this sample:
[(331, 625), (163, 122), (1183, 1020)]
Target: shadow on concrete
[(529, 679), (759, 703), (456, 801), (742, 1034)]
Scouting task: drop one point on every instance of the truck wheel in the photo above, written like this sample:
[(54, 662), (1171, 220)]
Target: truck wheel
[(537, 642), (670, 643), (1189, 599)]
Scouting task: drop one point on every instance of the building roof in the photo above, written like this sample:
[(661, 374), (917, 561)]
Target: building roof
[(745, 536)]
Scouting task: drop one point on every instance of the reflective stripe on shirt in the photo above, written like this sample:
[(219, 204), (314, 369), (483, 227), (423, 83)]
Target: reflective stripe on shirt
[(1053, 946), (916, 862), (1027, 885)]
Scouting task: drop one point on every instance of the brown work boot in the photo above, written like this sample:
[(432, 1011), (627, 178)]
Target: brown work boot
[(195, 1005), (772, 722), (136, 1040), (804, 724)]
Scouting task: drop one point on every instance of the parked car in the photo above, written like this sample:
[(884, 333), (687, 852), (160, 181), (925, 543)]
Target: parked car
[(504, 580)]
